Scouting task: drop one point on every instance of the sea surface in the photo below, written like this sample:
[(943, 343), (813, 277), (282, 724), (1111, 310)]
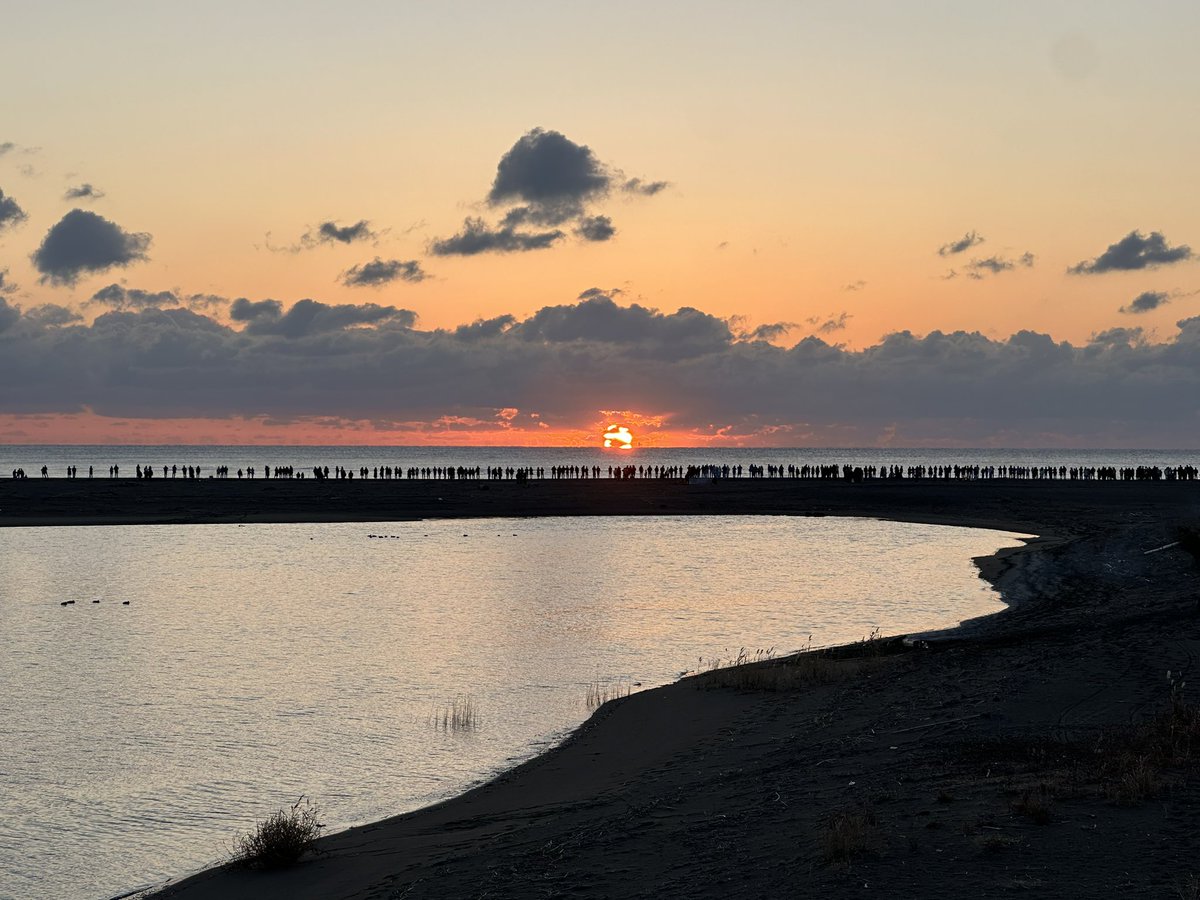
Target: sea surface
[(256, 663), (57, 457)]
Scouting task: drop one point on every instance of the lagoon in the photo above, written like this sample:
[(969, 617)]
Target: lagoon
[(255, 663)]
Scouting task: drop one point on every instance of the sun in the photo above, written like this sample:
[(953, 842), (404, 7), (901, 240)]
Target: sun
[(618, 436)]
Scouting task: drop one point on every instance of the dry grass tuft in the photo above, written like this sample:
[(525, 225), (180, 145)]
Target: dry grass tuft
[(763, 671), (600, 692), (281, 839), (848, 834)]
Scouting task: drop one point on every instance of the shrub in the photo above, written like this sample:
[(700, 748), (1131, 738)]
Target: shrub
[(281, 839)]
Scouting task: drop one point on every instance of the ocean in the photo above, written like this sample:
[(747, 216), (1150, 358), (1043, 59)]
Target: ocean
[(57, 457)]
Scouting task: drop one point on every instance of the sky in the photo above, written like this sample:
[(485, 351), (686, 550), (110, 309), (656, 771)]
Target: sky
[(719, 224)]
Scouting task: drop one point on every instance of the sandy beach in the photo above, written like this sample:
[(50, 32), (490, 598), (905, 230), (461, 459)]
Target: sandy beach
[(985, 761)]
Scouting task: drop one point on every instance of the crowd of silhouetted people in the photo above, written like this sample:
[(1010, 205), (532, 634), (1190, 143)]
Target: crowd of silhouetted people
[(809, 471)]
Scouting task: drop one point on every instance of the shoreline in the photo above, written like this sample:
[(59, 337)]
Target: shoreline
[(674, 743)]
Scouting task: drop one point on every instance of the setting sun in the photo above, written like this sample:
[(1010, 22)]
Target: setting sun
[(618, 436)]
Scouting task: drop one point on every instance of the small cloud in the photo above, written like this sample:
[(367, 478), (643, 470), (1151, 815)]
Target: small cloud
[(6, 286), (1123, 337), (596, 228), (769, 332), (10, 212), (328, 232), (27, 170), (1145, 302), (477, 237), (117, 297), (966, 242), (379, 272), (83, 191), (994, 265), (7, 147), (854, 285), (829, 324), (344, 234), (1134, 251), (310, 317), (645, 188), (82, 243), (594, 292)]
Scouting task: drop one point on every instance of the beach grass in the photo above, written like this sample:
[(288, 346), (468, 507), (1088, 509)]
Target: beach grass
[(762, 670), (600, 692)]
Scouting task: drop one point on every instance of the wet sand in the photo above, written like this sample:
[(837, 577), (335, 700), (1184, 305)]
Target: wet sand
[(930, 748)]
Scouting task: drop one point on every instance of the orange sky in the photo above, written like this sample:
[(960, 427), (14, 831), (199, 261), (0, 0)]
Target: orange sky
[(817, 157)]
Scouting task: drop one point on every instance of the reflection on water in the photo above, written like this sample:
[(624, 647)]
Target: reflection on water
[(255, 663)]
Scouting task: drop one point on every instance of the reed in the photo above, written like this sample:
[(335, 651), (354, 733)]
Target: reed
[(461, 714), (600, 692)]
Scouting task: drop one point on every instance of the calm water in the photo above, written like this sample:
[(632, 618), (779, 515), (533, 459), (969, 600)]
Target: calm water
[(57, 457), (259, 662)]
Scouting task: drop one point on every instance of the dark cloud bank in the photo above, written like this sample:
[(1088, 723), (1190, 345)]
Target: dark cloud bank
[(151, 357)]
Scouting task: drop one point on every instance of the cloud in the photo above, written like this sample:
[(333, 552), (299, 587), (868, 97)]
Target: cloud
[(966, 242), (771, 331), (1118, 337), (52, 315), (829, 324), (994, 265), (115, 296), (478, 237), (645, 188), (327, 233), (82, 243), (596, 228), (1145, 302), (83, 191), (343, 234), (312, 317), (854, 285), (598, 319), (7, 147), (545, 180), (1132, 252), (6, 286), (318, 362), (10, 213), (118, 297), (551, 174), (379, 272)]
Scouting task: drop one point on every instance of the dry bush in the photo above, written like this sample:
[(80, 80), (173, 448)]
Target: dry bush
[(280, 839)]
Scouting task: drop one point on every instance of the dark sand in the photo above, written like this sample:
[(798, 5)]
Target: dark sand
[(694, 793)]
